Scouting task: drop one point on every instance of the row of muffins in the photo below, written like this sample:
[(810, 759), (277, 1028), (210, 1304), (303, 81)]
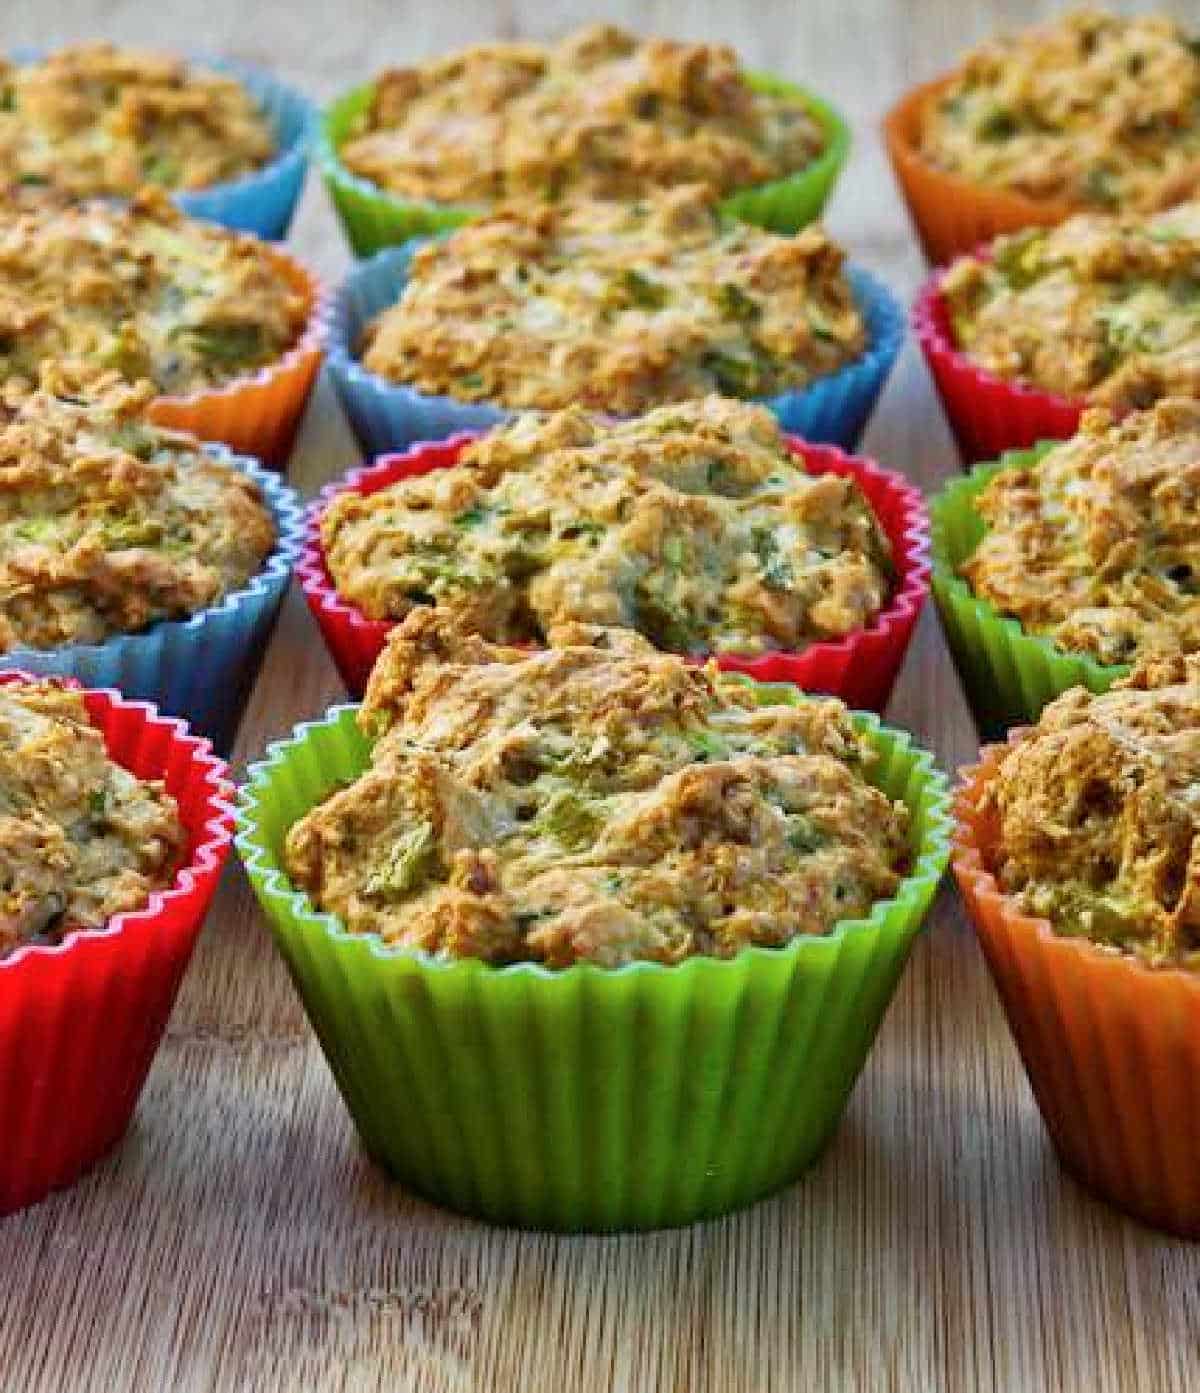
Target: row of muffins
[(430, 842)]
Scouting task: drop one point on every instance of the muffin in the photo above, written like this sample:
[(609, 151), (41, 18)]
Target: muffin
[(81, 839), (1097, 822), (1103, 310), (1077, 855), (109, 524), (132, 556), (1089, 111), (600, 114), (142, 291), (115, 824), (619, 307), (1063, 565), (694, 525), (625, 925), (1097, 110), (93, 120), (1096, 544), (615, 806)]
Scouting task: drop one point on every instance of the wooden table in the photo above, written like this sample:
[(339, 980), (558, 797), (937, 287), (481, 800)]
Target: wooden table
[(239, 1239)]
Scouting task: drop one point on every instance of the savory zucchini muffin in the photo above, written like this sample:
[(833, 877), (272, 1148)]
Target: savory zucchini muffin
[(1091, 109), (602, 113), (619, 307), (107, 523), (81, 839), (597, 802), (93, 120), (694, 524), (142, 291), (1107, 309), (1098, 812), (1097, 544)]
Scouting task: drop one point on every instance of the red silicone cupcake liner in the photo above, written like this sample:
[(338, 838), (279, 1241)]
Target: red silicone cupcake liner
[(1111, 1047), (987, 414), (80, 1021), (860, 668)]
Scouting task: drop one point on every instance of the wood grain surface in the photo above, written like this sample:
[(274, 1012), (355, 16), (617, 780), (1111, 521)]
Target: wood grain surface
[(239, 1239)]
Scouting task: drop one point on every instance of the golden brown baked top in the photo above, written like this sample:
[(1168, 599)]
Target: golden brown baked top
[(601, 113), (1092, 109), (107, 523), (597, 802), (1097, 544), (92, 120), (619, 307), (694, 524), (1107, 309), (142, 291), (81, 839), (1098, 812)]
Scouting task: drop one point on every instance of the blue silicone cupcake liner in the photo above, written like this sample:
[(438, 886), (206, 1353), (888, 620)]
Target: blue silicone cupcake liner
[(386, 416), (263, 202), (199, 668)]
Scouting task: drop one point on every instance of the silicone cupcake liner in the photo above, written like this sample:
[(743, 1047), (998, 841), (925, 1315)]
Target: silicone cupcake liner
[(386, 416), (200, 668), (951, 214), (589, 1098), (373, 218), (259, 415), (860, 668), (1111, 1047), (262, 202), (80, 1021), (1009, 675), (987, 414)]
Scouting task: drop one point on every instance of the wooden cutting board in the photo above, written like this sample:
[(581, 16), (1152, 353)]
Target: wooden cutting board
[(239, 1239)]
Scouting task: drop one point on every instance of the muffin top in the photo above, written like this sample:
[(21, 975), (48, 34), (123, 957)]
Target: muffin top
[(1098, 815), (596, 802), (107, 523), (81, 839), (1097, 544), (1091, 109), (601, 113), (694, 524), (140, 290), (93, 120), (1107, 309), (619, 307)]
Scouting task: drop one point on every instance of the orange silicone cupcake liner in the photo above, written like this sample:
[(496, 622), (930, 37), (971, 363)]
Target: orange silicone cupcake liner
[(952, 214), (260, 415), (1111, 1047)]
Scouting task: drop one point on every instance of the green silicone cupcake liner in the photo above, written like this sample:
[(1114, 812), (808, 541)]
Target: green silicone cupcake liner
[(374, 219), (589, 1099), (1009, 675)]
